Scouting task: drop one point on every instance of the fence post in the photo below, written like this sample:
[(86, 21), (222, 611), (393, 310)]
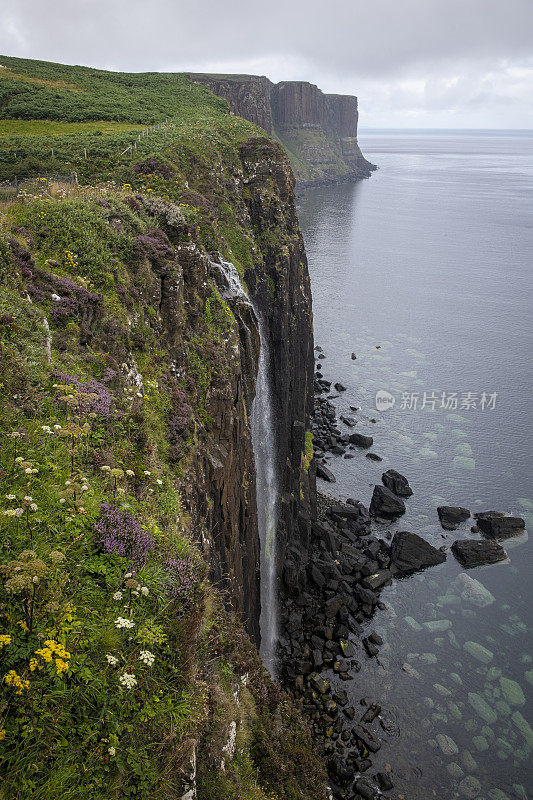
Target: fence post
[(85, 153), (52, 152)]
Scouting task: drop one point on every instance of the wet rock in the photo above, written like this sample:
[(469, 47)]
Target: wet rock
[(451, 516), (471, 553), (377, 579), (446, 744), (365, 788), (353, 356), (324, 473), (482, 708), (384, 780), (367, 737), (409, 552), (397, 483), (469, 787), (438, 625), (524, 727), (416, 626), (497, 526), (373, 456), (339, 387), (478, 651), (360, 440), (474, 591), (386, 504), (349, 421)]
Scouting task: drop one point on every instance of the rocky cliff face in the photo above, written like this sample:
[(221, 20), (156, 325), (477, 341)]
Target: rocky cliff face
[(318, 130), (221, 478)]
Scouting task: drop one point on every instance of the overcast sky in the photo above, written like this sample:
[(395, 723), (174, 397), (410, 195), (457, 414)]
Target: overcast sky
[(412, 63)]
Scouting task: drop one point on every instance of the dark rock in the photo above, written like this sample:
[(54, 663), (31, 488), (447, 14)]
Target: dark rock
[(324, 473), (386, 504), (373, 456), (365, 788), (377, 579), (410, 552), (371, 648), (339, 387), (452, 516), (353, 356), (397, 483), (349, 421), (341, 697), (472, 553), (371, 713), (367, 737), (385, 781), (360, 440), (497, 526)]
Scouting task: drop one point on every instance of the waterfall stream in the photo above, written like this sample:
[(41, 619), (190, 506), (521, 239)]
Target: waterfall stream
[(263, 441)]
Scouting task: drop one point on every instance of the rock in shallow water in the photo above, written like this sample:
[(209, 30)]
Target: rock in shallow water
[(474, 591), (409, 552), (497, 526), (451, 516), (471, 553), (386, 504), (325, 474), (397, 483)]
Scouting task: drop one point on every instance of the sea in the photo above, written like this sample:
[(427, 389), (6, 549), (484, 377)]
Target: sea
[(424, 272)]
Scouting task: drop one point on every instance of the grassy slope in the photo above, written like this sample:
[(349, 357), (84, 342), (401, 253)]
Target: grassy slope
[(69, 727)]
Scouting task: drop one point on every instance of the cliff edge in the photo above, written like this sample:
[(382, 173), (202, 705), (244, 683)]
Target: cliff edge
[(319, 131)]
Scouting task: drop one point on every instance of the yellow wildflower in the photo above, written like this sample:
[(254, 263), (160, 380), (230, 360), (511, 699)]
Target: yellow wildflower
[(23, 625), (2, 734), (4, 639)]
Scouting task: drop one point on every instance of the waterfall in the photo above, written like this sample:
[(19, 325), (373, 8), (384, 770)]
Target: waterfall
[(263, 441)]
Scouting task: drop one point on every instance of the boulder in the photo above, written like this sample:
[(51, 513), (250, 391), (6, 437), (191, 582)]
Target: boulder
[(452, 516), (339, 387), (397, 483), (409, 552), (471, 553), (386, 504), (373, 456), (360, 440), (496, 525), (324, 473)]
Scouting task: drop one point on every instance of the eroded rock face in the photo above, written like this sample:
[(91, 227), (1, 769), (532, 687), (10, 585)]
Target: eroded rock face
[(320, 129)]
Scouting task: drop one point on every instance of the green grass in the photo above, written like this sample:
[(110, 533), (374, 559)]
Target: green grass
[(42, 127)]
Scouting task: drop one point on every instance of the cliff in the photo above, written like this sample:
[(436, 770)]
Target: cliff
[(319, 131), (129, 556)]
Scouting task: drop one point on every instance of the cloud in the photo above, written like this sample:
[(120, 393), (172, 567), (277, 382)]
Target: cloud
[(420, 56)]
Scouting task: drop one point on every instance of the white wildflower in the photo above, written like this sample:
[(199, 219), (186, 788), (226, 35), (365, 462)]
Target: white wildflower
[(62, 500), (128, 680), (85, 488), (145, 591), (112, 660), (147, 657), (19, 459), (159, 482), (122, 622), (28, 471), (111, 751), (147, 472), (11, 496), (128, 575), (28, 498), (57, 427), (33, 506), (130, 472), (117, 596)]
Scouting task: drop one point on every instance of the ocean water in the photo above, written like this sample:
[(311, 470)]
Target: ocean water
[(424, 271)]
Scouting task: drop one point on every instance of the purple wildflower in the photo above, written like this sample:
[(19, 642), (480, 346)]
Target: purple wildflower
[(120, 533)]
